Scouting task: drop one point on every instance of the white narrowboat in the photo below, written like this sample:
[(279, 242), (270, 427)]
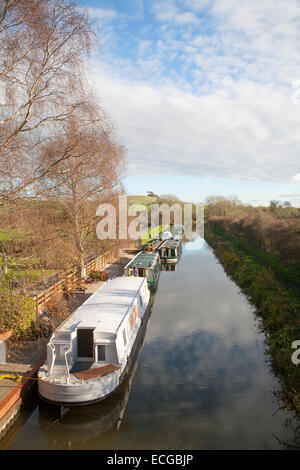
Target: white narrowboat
[(166, 235), (170, 251), (177, 231), (91, 352), (94, 420)]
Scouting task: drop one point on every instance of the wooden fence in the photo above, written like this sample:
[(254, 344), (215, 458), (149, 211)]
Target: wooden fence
[(71, 281)]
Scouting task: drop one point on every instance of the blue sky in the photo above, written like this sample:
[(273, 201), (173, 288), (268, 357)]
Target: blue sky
[(204, 94)]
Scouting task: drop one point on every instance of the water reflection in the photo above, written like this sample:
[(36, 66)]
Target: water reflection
[(169, 266), (85, 424), (202, 380)]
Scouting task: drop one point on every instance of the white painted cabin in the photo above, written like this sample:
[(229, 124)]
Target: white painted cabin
[(89, 354)]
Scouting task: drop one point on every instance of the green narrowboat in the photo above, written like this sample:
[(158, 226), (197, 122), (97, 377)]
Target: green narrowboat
[(145, 265)]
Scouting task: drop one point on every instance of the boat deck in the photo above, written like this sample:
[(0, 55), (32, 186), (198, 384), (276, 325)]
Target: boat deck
[(95, 372), (82, 371)]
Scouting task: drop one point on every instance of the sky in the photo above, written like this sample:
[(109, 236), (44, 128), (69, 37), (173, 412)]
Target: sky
[(203, 94)]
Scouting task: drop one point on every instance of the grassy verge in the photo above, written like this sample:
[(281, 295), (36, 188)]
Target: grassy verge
[(284, 272), (277, 305)]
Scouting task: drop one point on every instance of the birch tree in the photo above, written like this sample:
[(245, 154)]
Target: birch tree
[(43, 44), (91, 163)]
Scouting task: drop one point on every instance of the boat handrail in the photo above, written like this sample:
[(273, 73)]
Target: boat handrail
[(52, 352), (67, 365)]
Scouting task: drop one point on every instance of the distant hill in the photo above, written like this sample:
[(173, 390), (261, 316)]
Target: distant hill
[(145, 200)]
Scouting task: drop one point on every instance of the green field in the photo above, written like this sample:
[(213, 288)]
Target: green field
[(141, 200)]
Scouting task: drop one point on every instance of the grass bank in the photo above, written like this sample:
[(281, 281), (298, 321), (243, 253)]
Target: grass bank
[(272, 289)]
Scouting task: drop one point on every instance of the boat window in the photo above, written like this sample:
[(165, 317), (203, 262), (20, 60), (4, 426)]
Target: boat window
[(136, 311), (101, 352), (124, 337), (131, 320), (141, 272)]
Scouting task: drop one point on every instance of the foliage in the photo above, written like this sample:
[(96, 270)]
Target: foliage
[(98, 276), (17, 312), (276, 232)]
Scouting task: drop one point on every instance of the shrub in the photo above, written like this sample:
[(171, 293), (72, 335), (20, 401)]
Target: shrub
[(98, 276), (17, 312)]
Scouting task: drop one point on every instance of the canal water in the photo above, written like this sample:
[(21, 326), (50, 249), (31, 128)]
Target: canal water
[(202, 380)]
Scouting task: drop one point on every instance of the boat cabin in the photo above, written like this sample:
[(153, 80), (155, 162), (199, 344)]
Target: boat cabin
[(170, 251), (166, 235), (147, 265), (93, 332)]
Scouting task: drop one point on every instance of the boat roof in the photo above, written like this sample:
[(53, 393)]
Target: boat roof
[(170, 244), (143, 260), (106, 308)]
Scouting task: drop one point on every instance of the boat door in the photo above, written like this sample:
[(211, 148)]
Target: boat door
[(85, 343)]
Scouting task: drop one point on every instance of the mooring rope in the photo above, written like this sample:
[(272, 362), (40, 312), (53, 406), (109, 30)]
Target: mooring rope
[(18, 378)]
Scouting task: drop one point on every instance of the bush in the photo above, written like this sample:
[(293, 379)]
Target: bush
[(17, 312), (98, 276), (278, 236)]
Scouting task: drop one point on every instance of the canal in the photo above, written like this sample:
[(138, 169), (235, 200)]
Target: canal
[(202, 381)]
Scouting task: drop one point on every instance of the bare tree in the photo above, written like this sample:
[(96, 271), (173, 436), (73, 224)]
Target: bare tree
[(273, 206), (90, 166), (42, 43)]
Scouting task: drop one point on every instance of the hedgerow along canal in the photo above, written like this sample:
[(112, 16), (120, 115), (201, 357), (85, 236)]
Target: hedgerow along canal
[(202, 380)]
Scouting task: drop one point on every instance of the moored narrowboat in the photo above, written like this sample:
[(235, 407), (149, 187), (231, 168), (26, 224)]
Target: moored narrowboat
[(177, 232), (91, 352), (170, 251), (146, 265), (166, 235), (153, 245), (93, 420)]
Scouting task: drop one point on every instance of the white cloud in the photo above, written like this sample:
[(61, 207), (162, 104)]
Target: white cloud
[(101, 14), (196, 5), (245, 131), (229, 109), (166, 10), (296, 178), (144, 46)]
